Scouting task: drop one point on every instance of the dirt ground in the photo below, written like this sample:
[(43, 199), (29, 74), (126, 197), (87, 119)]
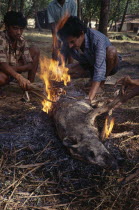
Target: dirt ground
[(37, 172)]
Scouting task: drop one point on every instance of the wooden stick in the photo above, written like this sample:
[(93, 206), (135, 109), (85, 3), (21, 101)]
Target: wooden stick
[(125, 180), (131, 176), (119, 135), (42, 96), (37, 91)]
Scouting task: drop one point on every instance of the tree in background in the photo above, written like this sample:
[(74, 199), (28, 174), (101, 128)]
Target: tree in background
[(104, 16), (124, 14), (25, 6), (90, 10), (79, 9), (114, 13), (28, 7)]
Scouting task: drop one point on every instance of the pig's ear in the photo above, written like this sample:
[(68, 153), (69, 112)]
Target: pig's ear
[(70, 142)]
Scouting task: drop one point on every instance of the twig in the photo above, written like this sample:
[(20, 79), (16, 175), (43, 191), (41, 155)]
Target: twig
[(119, 135), (29, 165), (132, 176), (18, 183), (115, 200), (27, 96), (40, 153), (132, 137), (33, 193), (23, 176), (42, 96), (37, 91), (55, 206), (125, 180)]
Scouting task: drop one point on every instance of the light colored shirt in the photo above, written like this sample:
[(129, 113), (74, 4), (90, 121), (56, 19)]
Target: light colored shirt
[(94, 55), (14, 57), (55, 11)]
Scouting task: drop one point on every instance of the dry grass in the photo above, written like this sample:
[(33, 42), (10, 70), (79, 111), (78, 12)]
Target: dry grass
[(31, 186)]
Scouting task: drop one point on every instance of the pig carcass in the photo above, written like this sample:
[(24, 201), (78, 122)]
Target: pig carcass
[(76, 126)]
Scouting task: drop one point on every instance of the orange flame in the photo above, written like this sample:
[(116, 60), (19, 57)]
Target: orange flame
[(62, 21), (51, 70), (59, 25), (108, 126)]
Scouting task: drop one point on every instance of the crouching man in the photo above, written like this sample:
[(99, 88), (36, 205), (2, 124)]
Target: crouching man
[(15, 55), (93, 51)]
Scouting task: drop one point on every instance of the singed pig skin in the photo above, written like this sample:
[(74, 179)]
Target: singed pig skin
[(74, 128)]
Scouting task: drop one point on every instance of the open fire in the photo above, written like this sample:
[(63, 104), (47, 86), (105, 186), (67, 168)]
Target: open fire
[(52, 71), (108, 126)]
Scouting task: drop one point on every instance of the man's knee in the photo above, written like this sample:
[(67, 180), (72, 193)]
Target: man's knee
[(34, 51), (111, 59), (111, 52), (4, 79)]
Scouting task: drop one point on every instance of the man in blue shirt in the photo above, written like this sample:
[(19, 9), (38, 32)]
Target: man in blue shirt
[(92, 50)]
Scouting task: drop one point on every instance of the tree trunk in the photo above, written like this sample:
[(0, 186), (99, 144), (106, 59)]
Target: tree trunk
[(123, 18), (37, 23), (115, 14), (10, 3), (36, 16), (104, 16), (79, 9)]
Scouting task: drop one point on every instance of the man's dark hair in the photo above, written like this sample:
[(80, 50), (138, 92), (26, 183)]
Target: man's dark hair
[(73, 27), (13, 18)]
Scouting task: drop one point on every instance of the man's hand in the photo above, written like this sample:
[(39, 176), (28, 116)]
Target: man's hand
[(127, 84), (23, 82), (93, 90)]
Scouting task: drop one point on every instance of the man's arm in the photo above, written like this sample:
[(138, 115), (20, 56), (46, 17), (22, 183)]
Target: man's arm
[(94, 88), (53, 28), (127, 81), (99, 70), (8, 70), (24, 68), (127, 84)]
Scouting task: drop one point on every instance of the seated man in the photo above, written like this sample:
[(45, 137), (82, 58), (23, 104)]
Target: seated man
[(92, 50), (15, 55)]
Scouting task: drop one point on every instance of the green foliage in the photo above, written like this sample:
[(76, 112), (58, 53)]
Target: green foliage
[(116, 12), (29, 6), (90, 9), (133, 7), (3, 9)]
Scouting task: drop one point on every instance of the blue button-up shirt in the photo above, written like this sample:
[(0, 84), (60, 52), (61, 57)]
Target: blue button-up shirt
[(94, 55), (55, 11)]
